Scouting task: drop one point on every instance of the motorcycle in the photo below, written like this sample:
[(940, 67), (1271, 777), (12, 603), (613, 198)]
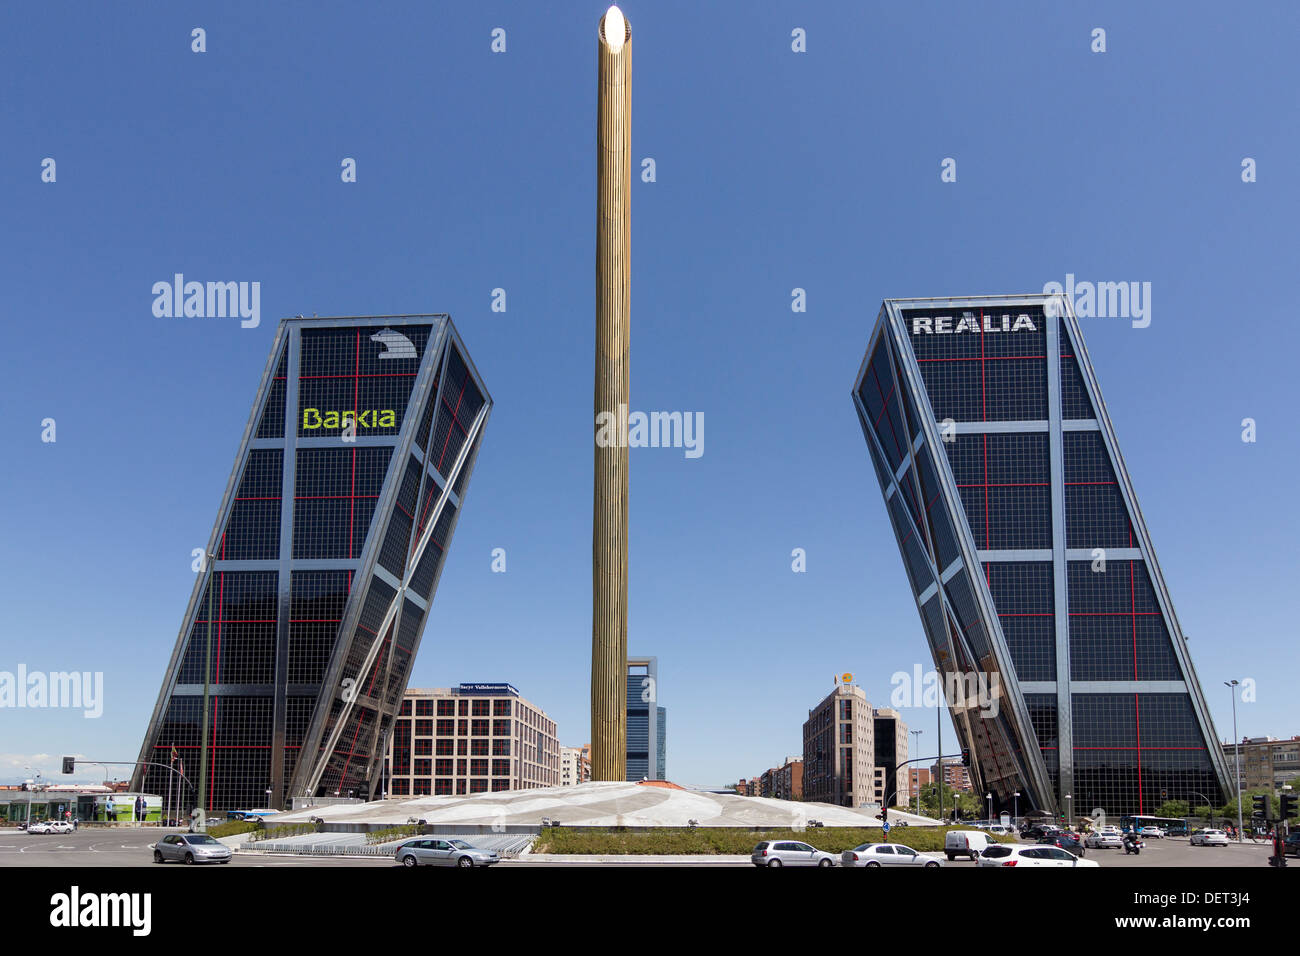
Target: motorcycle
[(1133, 845)]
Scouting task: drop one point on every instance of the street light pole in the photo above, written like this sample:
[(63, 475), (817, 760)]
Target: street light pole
[(1016, 818), (989, 796), (916, 747), (1236, 748)]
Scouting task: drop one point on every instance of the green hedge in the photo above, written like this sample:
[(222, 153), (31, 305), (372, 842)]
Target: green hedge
[(231, 827), (732, 840), (392, 833)]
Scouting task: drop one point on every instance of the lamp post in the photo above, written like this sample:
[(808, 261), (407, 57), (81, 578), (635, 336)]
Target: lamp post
[(1236, 748), (915, 746), (1016, 811), (1069, 811), (989, 797)]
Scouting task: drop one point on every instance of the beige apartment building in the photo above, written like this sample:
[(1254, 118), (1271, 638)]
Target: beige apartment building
[(474, 738), (575, 765), (1266, 762), (851, 750)]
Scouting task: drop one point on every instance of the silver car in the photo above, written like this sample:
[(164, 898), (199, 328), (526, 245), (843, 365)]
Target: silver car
[(789, 853), (430, 851), (190, 848), (887, 854)]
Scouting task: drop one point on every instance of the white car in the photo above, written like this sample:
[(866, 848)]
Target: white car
[(1209, 838), (887, 854), (1107, 838), (1006, 854), (39, 827), (1155, 833), (789, 853)]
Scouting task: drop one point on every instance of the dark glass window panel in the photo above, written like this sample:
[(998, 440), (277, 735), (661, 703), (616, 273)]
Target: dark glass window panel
[(271, 423), (1075, 403)]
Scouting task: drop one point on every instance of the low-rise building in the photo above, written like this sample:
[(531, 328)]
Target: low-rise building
[(575, 765), (474, 738), (1266, 762)]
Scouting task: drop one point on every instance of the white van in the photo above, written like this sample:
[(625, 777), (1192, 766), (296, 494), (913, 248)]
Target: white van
[(967, 843)]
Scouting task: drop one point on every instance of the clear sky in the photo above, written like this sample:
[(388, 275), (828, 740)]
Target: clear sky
[(775, 170)]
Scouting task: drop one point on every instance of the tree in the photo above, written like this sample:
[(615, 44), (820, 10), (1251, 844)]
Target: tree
[(1173, 808)]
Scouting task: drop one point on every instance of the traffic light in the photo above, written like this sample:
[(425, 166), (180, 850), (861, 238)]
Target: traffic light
[(1288, 805), (1258, 801), (883, 815), (965, 756), (69, 764)]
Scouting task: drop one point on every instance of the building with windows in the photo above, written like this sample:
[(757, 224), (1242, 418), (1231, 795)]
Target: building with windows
[(1065, 669), (955, 774), (1266, 762), (474, 738), (575, 765), (840, 753), (295, 647), (646, 747)]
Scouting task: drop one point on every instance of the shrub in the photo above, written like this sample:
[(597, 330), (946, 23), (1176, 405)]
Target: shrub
[(731, 840)]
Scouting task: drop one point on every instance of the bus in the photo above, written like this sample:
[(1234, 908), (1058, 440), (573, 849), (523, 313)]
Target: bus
[(1173, 826)]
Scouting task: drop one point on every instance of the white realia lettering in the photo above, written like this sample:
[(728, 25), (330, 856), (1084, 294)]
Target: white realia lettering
[(970, 322)]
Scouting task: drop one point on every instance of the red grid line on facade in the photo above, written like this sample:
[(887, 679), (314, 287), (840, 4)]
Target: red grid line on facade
[(333, 497), (363, 375), (985, 358)]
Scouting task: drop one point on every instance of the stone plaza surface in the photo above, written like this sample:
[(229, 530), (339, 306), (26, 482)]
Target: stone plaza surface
[(610, 804)]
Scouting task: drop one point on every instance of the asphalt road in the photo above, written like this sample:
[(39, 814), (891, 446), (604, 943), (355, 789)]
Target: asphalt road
[(131, 847)]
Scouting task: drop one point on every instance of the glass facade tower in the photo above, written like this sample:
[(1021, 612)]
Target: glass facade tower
[(1069, 679), (645, 721), (322, 564)]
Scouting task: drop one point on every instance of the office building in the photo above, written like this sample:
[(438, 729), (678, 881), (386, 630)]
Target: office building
[(1066, 672), (474, 738), (646, 746), (840, 753), (322, 564)]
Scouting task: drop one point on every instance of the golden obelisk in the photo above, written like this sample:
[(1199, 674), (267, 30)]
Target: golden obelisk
[(609, 509)]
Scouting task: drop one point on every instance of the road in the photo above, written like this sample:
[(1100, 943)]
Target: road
[(131, 847)]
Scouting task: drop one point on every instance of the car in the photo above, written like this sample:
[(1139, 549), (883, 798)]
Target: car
[(887, 854), (1107, 838), (998, 829), (1291, 845), (1209, 837), (250, 814), (40, 827), (967, 843), (58, 826), (789, 853), (1038, 831), (190, 848), (1066, 840), (1155, 833), (1021, 854), (431, 851)]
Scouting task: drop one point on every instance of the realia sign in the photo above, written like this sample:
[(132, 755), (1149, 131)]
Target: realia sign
[(970, 322)]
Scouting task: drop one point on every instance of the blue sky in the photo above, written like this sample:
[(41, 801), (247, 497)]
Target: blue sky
[(775, 170)]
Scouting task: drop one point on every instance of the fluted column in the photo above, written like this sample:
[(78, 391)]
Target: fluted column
[(609, 509)]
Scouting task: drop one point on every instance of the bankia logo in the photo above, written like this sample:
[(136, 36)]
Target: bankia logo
[(970, 322), (396, 345)]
